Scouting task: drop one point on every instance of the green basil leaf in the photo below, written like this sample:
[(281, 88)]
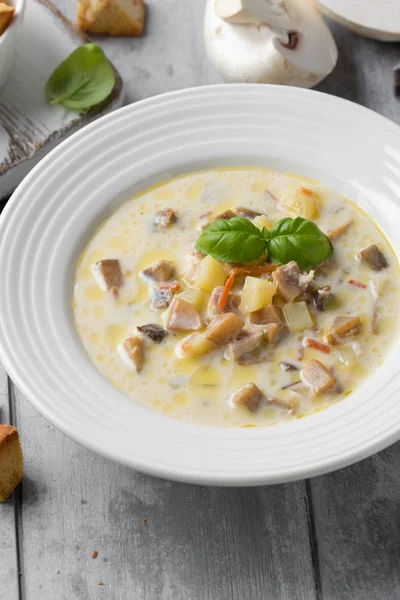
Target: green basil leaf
[(82, 80), (300, 240), (233, 240)]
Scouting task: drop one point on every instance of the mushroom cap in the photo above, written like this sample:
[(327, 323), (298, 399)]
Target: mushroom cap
[(253, 53), (377, 20)]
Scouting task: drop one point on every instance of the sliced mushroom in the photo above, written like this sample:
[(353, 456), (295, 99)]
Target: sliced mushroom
[(153, 331), (227, 215), (261, 354), (232, 304), (288, 366), (247, 213), (224, 328), (131, 352), (288, 281), (317, 377), (184, 316), (373, 257), (267, 315), (322, 297), (343, 327), (162, 270), (274, 332), (290, 405), (245, 342), (108, 274), (249, 396), (165, 218)]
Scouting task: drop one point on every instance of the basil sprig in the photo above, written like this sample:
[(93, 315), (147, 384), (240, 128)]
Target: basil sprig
[(238, 240), (82, 80)]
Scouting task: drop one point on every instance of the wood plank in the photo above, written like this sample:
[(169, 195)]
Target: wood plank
[(356, 510), (8, 534), (198, 542)]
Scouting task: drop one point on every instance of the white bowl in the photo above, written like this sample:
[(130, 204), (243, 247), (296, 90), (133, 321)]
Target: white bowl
[(57, 208), (9, 40)]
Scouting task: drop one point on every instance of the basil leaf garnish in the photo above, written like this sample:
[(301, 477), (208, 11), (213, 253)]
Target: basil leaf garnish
[(238, 240)]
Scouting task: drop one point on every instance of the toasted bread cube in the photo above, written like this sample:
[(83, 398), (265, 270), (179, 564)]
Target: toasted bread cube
[(113, 17), (11, 461), (6, 15)]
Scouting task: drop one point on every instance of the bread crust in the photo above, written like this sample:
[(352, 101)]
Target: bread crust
[(11, 461), (110, 17)]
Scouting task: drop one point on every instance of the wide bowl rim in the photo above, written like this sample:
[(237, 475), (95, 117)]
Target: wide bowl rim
[(159, 469)]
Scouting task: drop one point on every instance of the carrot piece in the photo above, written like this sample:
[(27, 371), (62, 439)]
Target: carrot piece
[(254, 270), (226, 291), (310, 343), (174, 286), (306, 191), (332, 235), (358, 284)]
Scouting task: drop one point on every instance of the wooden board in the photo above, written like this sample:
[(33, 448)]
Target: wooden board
[(29, 126), (155, 538)]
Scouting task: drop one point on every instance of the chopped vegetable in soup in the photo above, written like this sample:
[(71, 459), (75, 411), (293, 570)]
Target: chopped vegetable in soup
[(237, 297)]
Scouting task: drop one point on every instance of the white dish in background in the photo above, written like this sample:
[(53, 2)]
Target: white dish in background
[(9, 41), (53, 213)]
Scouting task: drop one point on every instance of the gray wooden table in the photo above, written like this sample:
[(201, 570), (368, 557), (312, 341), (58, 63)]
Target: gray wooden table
[(332, 538)]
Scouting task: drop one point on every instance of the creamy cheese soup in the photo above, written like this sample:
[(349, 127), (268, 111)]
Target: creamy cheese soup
[(295, 326)]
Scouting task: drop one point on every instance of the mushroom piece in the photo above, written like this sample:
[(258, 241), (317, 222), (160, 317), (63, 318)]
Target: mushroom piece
[(343, 327), (249, 396), (227, 215), (131, 352), (269, 41), (322, 297), (224, 328), (232, 304), (153, 332), (245, 342), (317, 377), (267, 315), (161, 270), (108, 274), (376, 20), (247, 213), (274, 332), (290, 282), (184, 316), (165, 218), (373, 257), (161, 298)]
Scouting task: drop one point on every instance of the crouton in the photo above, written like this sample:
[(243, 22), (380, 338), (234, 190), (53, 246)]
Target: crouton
[(11, 461), (113, 17)]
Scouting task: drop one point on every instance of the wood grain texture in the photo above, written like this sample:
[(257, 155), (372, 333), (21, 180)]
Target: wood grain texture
[(8, 533), (196, 542)]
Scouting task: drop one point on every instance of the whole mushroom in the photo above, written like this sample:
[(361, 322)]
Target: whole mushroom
[(269, 41)]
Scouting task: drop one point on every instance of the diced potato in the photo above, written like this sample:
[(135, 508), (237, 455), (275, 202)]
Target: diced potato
[(198, 298), (298, 203), (256, 294), (193, 345), (262, 221), (210, 274), (297, 316)]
